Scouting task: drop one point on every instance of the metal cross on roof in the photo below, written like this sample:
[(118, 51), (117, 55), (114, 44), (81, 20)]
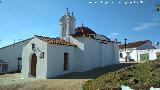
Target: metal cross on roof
[(82, 24)]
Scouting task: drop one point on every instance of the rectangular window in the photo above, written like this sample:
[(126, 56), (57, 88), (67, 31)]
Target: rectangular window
[(41, 55), (4, 67), (66, 61)]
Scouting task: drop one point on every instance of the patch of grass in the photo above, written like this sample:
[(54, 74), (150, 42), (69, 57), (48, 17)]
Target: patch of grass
[(144, 76)]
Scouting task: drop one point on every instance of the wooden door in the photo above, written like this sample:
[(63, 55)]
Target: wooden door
[(33, 65), (144, 57)]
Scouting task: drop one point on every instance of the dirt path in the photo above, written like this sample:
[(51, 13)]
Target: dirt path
[(17, 82), (73, 81)]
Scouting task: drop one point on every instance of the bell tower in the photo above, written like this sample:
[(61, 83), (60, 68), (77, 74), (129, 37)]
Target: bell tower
[(67, 24)]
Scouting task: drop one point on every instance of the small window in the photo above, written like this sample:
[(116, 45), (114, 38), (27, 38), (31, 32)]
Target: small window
[(121, 55), (41, 55), (66, 61)]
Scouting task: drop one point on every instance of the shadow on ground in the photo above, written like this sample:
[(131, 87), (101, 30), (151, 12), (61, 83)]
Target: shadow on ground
[(95, 73)]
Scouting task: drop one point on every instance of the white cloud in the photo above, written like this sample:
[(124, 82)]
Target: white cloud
[(147, 26), (113, 35)]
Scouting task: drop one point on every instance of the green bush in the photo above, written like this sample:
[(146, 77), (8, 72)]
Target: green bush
[(144, 76)]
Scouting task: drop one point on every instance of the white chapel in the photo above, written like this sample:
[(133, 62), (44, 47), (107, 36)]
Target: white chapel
[(78, 49)]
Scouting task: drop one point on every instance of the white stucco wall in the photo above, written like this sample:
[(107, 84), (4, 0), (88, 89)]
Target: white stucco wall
[(79, 52), (41, 68), (78, 41), (106, 56), (88, 54), (116, 53), (11, 54), (123, 55), (110, 54), (135, 54), (131, 53), (55, 63), (98, 54), (151, 52), (91, 53)]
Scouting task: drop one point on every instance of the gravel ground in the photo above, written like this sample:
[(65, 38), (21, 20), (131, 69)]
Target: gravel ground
[(73, 81), (17, 82)]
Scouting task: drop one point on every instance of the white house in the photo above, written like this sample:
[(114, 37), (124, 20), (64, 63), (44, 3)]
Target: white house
[(78, 49), (138, 51), (11, 56), (150, 54)]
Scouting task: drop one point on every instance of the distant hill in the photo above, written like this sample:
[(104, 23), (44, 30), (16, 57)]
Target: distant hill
[(139, 76)]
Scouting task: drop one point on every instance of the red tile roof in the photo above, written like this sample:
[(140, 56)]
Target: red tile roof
[(134, 44), (58, 41), (84, 31)]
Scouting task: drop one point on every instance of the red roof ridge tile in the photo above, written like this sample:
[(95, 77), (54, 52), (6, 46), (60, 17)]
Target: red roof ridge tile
[(84, 31), (134, 44), (58, 41)]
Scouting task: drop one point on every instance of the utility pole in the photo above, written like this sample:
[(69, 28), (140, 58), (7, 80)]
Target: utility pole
[(125, 47)]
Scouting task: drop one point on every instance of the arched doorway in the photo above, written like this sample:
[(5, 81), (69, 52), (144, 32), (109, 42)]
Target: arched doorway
[(33, 65)]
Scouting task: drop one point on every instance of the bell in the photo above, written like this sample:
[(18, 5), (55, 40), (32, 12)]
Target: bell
[(157, 7)]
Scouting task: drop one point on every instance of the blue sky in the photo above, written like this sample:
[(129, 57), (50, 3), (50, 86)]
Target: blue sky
[(22, 19)]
